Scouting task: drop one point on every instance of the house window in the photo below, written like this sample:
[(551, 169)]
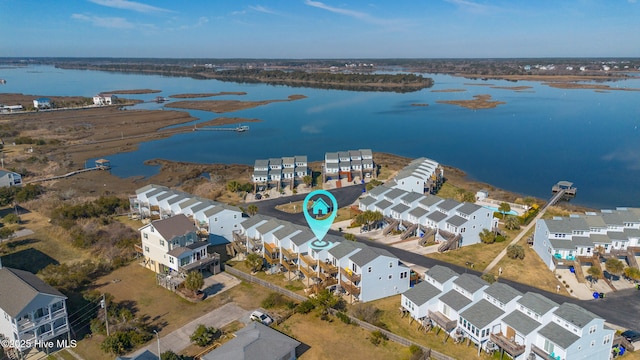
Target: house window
[(171, 259), (391, 264), (606, 340), (215, 219), (593, 343), (369, 269), (390, 276), (146, 249), (592, 329), (161, 242), (152, 230), (145, 235)]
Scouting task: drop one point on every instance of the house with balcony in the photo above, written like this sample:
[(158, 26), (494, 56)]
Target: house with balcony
[(10, 178), (422, 175), (289, 169), (561, 240), (418, 300), (171, 246), (348, 164), (32, 311)]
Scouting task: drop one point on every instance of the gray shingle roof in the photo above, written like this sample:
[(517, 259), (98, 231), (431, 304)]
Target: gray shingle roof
[(502, 292), (421, 293), (455, 300), (368, 200), (594, 221), (253, 221), (411, 197), (213, 211), (156, 192), (418, 212), (536, 303), (202, 206), (149, 187), (168, 194), (255, 341), (558, 335), (566, 225), (383, 204), (430, 200), (302, 237), (563, 244), (600, 238), (448, 204), (345, 248), (379, 190), (575, 314), (186, 204), (469, 282), (468, 208), (457, 220), (400, 208), (270, 225), (368, 254), (395, 194), (174, 226), (441, 273), (261, 163), (521, 322), (482, 313), (436, 216), (19, 288), (284, 231)]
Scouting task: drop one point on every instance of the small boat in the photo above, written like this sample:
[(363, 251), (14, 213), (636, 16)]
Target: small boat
[(3, 81)]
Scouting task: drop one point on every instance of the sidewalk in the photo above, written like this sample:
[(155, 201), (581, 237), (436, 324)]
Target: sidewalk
[(178, 340)]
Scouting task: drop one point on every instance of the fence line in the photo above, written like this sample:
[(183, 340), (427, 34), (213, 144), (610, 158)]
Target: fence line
[(430, 354)]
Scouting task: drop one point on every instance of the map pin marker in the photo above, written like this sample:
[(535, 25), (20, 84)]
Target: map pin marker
[(320, 208)]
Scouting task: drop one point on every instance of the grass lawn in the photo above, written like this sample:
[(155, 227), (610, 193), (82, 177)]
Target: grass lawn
[(402, 326), (336, 340), (479, 254), (276, 279), (448, 191)]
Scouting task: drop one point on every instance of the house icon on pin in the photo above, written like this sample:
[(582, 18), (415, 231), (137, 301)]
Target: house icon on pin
[(320, 207)]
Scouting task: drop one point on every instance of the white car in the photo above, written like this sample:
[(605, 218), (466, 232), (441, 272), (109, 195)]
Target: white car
[(259, 316)]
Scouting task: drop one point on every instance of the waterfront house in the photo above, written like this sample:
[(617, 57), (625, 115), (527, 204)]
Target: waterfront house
[(33, 312), (422, 175), (10, 178), (104, 99), (348, 164), (42, 103), (561, 240), (278, 170), (171, 244), (418, 300)]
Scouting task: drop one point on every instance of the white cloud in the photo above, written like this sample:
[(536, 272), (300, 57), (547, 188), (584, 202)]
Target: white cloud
[(107, 22), (632, 1), (239, 12), (627, 154), (469, 5), (311, 129), (363, 16), (129, 5), (262, 9)]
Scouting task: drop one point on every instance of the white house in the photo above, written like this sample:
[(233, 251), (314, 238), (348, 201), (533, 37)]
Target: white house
[(170, 245), (42, 103), (9, 178), (32, 311), (422, 175), (423, 296), (559, 240), (291, 169), (104, 99), (348, 164)]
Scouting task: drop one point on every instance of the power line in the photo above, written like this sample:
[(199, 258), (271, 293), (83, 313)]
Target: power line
[(77, 311)]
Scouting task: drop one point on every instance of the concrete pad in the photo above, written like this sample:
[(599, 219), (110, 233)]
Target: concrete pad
[(219, 283)]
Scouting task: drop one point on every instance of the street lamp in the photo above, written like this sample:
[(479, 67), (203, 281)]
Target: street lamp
[(158, 337)]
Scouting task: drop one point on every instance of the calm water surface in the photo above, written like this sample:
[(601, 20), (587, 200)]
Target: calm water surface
[(538, 137)]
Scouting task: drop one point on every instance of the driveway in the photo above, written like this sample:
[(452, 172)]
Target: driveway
[(178, 340)]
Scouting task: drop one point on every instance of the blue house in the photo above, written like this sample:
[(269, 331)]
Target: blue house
[(320, 207)]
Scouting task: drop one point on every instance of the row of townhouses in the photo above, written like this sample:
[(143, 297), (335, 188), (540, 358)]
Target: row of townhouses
[(176, 242), (278, 170), (561, 239), (364, 272), (422, 176), (348, 164), (497, 316), (31, 312), (454, 223), (9, 178)]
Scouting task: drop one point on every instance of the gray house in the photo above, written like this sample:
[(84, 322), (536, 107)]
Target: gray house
[(9, 178), (256, 341)]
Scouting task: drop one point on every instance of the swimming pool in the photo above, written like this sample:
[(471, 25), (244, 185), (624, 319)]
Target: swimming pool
[(495, 209)]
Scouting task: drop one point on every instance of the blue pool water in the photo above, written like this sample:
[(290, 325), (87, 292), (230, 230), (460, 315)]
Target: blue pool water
[(495, 209)]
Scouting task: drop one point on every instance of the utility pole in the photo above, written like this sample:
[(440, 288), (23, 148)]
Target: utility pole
[(158, 337), (103, 304)]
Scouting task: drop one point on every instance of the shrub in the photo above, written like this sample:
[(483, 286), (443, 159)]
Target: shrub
[(377, 337), (11, 219), (366, 312), (276, 300), (515, 251), (305, 307), (203, 335), (490, 278), (343, 317), (500, 238)]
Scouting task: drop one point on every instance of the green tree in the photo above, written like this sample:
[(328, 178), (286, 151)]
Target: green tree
[(487, 237), (170, 355), (504, 208), (6, 232), (307, 180), (11, 219), (254, 262), (632, 273), (369, 218), (515, 251), (325, 300), (203, 335), (350, 237), (614, 266), (194, 281), (512, 222), (233, 186), (595, 273), (252, 209)]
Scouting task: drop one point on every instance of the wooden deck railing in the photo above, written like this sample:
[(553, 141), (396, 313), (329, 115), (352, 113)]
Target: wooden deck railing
[(350, 288), (507, 345), (350, 275)]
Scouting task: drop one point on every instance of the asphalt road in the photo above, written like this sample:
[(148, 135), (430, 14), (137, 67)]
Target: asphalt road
[(621, 308)]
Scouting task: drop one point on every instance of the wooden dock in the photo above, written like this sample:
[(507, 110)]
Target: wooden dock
[(100, 164), (566, 187), (241, 128)]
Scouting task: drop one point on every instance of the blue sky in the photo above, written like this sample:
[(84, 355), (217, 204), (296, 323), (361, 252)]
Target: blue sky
[(320, 29)]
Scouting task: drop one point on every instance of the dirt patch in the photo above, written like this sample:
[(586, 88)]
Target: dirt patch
[(514, 88), (189, 96), (419, 104), (449, 90), (479, 102), (608, 77), (574, 85), (222, 106), (228, 121)]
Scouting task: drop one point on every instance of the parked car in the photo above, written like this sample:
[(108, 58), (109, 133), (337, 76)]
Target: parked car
[(631, 335), (261, 317)]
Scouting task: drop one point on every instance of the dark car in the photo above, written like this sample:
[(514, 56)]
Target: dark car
[(631, 335)]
